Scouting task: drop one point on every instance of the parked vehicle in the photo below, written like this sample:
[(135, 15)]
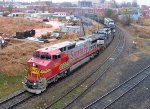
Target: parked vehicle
[(25, 34)]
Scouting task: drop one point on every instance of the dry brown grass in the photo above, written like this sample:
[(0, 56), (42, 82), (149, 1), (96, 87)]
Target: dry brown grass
[(17, 53), (139, 30), (144, 22), (15, 56), (139, 42), (142, 32), (11, 25), (142, 28), (93, 28), (69, 36)]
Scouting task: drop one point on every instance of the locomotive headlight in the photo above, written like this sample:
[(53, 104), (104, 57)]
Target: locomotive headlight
[(34, 65), (34, 84)]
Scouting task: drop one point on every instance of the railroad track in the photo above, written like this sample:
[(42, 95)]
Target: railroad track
[(15, 100), (115, 94), (21, 97), (97, 74), (148, 107)]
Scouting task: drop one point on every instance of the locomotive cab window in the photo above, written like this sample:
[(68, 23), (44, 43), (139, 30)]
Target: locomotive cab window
[(46, 57), (42, 55), (56, 57), (94, 41), (63, 49), (71, 47), (36, 55)]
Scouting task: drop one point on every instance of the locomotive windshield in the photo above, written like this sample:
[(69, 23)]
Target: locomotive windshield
[(111, 24), (42, 55)]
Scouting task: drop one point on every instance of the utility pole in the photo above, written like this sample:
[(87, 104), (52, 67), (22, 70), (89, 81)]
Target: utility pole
[(3, 3), (10, 8), (39, 2), (115, 4), (82, 28)]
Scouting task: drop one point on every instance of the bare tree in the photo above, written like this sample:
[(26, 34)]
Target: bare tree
[(129, 4), (126, 19), (134, 3), (123, 4), (102, 1)]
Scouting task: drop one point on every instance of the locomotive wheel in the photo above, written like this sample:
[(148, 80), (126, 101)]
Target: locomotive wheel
[(92, 56), (64, 74), (68, 72), (98, 52), (56, 79)]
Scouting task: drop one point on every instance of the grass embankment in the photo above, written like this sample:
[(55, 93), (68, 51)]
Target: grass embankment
[(140, 34), (10, 84)]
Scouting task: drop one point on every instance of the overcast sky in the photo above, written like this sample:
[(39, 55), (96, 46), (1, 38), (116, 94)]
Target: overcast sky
[(147, 2)]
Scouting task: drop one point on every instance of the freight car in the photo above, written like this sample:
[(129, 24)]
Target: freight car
[(109, 23), (51, 63)]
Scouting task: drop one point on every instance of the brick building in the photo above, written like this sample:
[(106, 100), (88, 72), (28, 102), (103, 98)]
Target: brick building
[(68, 10), (77, 10), (85, 4), (145, 11)]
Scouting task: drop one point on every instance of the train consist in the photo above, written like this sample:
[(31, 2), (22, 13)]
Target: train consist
[(51, 63), (108, 22)]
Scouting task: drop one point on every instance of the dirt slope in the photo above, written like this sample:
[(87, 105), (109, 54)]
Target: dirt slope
[(18, 51), (10, 25), (13, 57)]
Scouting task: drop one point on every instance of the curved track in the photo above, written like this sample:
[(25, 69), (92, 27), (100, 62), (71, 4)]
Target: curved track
[(111, 97), (97, 74), (19, 98)]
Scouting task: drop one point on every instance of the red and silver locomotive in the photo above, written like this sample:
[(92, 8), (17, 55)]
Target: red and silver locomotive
[(51, 63)]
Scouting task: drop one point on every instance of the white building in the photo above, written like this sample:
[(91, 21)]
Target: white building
[(60, 14)]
